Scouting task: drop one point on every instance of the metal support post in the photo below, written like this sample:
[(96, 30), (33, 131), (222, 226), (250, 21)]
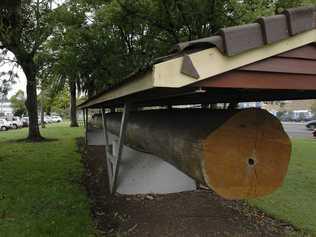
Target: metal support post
[(114, 159), (84, 118), (85, 115), (108, 149)]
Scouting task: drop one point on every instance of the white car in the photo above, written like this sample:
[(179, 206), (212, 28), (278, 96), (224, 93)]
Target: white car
[(4, 125), (16, 122), (56, 119), (47, 119)]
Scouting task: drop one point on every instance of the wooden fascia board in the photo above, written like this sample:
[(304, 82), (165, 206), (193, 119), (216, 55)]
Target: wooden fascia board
[(212, 62), (143, 83)]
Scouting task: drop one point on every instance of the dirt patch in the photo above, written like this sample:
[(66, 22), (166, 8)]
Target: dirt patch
[(188, 214)]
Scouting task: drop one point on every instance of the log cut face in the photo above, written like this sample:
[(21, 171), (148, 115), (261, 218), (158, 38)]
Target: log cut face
[(240, 154), (248, 156)]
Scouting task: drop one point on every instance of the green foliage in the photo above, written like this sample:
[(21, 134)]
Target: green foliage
[(40, 186), (24, 28), (18, 103), (98, 43), (247, 11), (5, 86), (295, 201), (59, 103), (280, 5), (7, 77)]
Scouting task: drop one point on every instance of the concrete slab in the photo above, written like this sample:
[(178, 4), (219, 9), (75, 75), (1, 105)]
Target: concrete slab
[(142, 173)]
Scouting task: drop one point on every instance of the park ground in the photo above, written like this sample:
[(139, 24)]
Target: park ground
[(42, 193)]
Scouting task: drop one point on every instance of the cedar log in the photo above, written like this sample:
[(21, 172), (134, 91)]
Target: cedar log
[(240, 154)]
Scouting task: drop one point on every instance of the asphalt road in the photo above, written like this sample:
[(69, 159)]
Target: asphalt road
[(297, 130)]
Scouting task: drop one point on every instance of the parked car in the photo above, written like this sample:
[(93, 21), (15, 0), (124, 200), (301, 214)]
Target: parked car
[(4, 125), (311, 125), (15, 122), (56, 119), (314, 133), (47, 119), (25, 121)]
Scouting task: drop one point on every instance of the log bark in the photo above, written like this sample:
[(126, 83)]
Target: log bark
[(240, 154)]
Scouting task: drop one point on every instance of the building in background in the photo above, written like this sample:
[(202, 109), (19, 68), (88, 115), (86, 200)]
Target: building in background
[(6, 109), (245, 105)]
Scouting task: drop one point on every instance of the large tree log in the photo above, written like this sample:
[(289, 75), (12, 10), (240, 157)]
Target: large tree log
[(238, 153)]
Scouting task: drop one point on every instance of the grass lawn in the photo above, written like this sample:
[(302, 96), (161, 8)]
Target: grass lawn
[(40, 190), (41, 194), (295, 202)]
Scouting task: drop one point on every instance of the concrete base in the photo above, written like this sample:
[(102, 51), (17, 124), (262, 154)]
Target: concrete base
[(142, 173)]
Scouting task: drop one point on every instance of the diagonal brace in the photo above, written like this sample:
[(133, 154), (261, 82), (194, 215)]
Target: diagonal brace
[(114, 159)]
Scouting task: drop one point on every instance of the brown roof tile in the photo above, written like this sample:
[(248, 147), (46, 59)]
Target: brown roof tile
[(275, 28), (300, 19), (213, 41), (237, 39)]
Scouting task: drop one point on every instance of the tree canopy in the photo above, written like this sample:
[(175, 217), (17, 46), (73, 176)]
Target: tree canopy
[(18, 103), (101, 42), (24, 27)]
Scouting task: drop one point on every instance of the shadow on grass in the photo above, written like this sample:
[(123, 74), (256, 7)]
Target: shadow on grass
[(25, 140)]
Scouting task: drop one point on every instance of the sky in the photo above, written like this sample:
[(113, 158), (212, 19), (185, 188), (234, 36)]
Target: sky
[(20, 81), (20, 84)]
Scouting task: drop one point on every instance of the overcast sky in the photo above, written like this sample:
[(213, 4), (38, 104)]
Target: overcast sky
[(20, 84), (20, 81)]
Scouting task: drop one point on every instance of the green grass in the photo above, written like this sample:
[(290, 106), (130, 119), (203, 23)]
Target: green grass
[(41, 195), (295, 202), (40, 190)]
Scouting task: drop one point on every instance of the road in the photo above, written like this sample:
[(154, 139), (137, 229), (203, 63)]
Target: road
[(297, 130)]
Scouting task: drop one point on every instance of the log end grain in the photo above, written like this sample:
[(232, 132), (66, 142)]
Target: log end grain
[(248, 156)]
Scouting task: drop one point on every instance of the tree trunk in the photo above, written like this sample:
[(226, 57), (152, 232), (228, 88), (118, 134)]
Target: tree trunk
[(31, 101), (238, 153), (73, 104)]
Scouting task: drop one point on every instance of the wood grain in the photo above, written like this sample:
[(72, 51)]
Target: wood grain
[(240, 154)]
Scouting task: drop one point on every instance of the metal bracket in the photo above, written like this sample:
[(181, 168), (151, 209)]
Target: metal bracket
[(114, 151), (85, 123)]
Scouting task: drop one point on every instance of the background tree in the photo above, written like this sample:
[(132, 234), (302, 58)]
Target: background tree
[(6, 81), (8, 72), (24, 27), (61, 103), (118, 37), (62, 53), (18, 103), (281, 5)]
